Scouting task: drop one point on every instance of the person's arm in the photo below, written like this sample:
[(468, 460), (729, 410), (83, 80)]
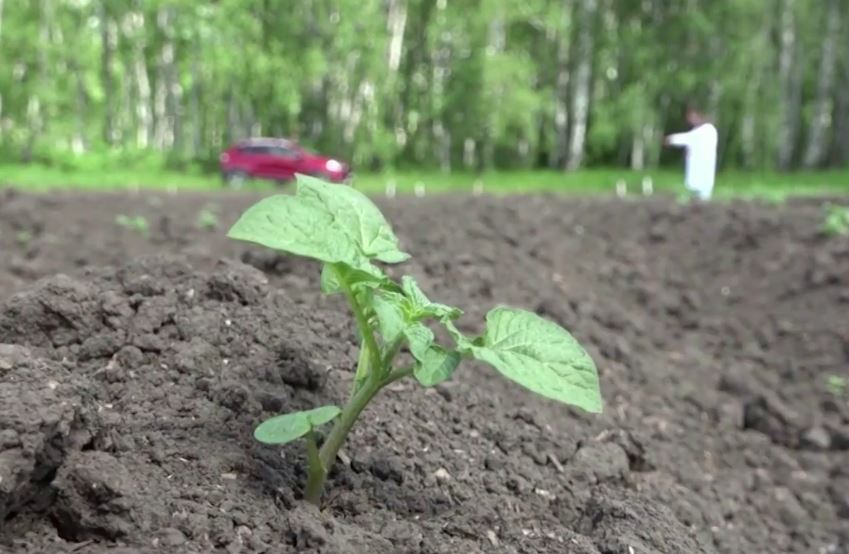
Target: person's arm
[(679, 139)]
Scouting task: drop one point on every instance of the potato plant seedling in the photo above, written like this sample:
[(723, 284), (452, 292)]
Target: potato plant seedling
[(837, 385), (836, 220), (23, 238), (342, 228), (137, 223), (207, 220)]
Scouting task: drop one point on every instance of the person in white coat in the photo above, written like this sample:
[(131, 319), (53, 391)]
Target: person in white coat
[(700, 143)]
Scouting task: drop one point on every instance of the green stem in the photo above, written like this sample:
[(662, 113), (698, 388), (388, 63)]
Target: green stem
[(396, 375), (327, 455), (363, 369), (392, 351), (317, 471), (321, 461), (362, 322)]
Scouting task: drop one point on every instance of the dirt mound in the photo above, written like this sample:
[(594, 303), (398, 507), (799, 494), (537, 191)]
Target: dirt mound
[(719, 331), (182, 364)]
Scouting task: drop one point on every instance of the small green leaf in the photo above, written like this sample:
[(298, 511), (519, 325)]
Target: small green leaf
[(420, 339), (367, 275), (422, 306), (288, 427), (541, 356), (464, 345), (390, 318), (436, 366), (413, 292), (355, 215)]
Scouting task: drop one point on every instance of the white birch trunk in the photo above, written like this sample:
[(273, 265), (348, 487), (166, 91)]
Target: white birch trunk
[(582, 86), (817, 148), (790, 83)]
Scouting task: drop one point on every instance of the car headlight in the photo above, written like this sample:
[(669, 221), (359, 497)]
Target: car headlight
[(333, 165)]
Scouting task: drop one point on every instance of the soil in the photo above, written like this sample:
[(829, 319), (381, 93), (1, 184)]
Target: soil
[(133, 368)]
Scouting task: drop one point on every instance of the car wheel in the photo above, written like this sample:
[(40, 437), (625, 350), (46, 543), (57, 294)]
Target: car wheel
[(235, 179)]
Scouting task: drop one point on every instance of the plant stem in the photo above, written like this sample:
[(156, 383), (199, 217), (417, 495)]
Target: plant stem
[(373, 373), (316, 470), (396, 375), (392, 351), (363, 369), (322, 464), (362, 322)]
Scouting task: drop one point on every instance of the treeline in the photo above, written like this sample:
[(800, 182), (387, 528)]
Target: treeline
[(433, 83)]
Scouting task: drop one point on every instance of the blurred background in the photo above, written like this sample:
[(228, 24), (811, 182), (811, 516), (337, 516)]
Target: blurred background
[(517, 94)]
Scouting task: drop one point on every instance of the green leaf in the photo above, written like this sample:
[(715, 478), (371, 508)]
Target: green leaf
[(420, 339), (390, 317), (541, 356), (291, 225), (436, 366), (463, 343), (366, 276), (394, 320), (330, 223), (288, 427), (421, 306), (355, 215), (413, 292)]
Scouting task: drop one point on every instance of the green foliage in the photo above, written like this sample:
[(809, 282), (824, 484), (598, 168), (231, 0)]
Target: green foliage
[(467, 84), (730, 184), (342, 228), (23, 238), (137, 223), (207, 219), (323, 221), (837, 385), (836, 220), (539, 355), (288, 427)]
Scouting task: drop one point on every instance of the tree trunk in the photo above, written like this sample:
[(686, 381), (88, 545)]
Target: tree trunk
[(840, 148), (582, 85), (166, 85), (561, 89), (817, 150), (396, 23), (790, 86), (144, 117), (78, 142), (749, 138), (1, 94), (496, 45), (107, 45), (194, 102), (840, 151)]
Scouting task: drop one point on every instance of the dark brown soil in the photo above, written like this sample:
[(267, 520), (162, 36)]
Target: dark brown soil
[(133, 369)]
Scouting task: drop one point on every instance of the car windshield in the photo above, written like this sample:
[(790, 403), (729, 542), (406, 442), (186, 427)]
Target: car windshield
[(288, 150)]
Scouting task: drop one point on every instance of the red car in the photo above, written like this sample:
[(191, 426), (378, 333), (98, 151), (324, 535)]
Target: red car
[(278, 160)]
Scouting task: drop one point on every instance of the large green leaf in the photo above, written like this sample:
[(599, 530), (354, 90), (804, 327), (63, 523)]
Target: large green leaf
[(331, 223), (354, 214), (288, 427), (288, 224), (541, 356), (436, 366)]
